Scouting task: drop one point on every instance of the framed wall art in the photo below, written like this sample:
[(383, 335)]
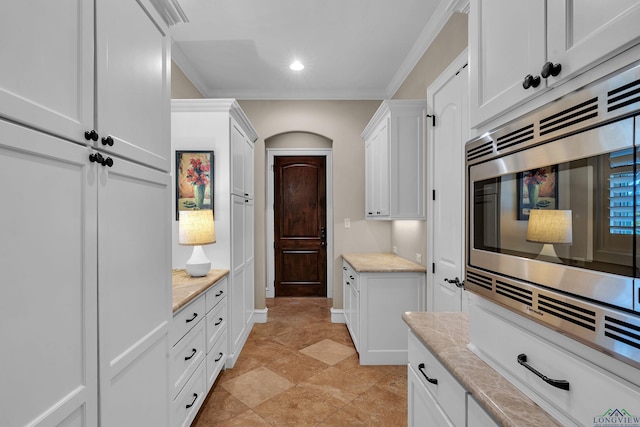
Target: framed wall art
[(537, 189), (194, 181)]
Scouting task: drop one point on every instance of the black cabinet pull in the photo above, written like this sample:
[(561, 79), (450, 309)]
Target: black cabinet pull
[(193, 318), (194, 351), (195, 397), (219, 293), (218, 322), (91, 135), (348, 283), (456, 282), (96, 157), (219, 357), (562, 384), (107, 162), (530, 81), (550, 69), (107, 141), (421, 368)]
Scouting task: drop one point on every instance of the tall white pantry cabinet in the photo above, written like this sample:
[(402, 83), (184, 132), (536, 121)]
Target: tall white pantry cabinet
[(85, 221), (220, 125)]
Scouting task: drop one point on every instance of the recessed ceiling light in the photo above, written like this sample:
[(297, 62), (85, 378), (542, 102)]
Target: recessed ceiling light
[(296, 65)]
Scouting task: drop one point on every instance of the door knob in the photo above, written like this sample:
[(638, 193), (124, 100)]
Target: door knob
[(456, 282)]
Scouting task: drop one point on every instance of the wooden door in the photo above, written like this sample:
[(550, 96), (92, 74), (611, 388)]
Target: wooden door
[(300, 226), (448, 99)]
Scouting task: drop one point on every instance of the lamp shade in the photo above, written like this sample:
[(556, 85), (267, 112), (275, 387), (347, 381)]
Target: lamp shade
[(196, 228), (550, 226)]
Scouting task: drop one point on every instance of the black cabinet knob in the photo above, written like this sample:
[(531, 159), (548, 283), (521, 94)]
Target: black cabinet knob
[(91, 135), (107, 162), (530, 81), (550, 69), (107, 141), (96, 157)]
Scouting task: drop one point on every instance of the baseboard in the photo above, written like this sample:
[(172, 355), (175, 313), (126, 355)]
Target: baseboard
[(260, 315), (337, 315)]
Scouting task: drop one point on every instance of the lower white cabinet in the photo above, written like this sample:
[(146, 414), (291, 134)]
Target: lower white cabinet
[(373, 304), (435, 396), (199, 339)]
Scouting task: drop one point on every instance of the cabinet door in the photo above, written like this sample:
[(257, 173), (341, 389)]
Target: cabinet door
[(133, 81), (48, 308), (134, 282), (476, 416), (237, 160), (423, 408), (381, 170), (248, 168), (369, 153), (582, 34), (46, 78), (249, 274), (507, 42), (238, 299), (354, 310)]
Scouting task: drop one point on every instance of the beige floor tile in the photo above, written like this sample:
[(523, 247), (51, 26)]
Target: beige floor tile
[(297, 367), (378, 407), (296, 407), (336, 386), (247, 419), (219, 406), (328, 351), (256, 386)]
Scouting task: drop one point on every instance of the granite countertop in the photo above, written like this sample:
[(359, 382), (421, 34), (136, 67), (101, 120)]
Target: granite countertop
[(381, 263), (447, 336), (186, 288)]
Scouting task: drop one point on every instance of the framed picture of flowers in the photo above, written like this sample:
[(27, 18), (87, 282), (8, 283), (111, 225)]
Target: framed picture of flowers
[(194, 181), (537, 189)]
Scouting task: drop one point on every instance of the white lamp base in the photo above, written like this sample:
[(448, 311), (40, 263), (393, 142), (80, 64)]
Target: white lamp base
[(198, 265), (548, 254)]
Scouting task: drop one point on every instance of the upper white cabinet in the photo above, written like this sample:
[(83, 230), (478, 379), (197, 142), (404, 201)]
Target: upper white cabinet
[(242, 161), (394, 161), (518, 49), (49, 80)]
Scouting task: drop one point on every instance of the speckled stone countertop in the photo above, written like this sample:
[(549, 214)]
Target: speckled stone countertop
[(381, 263), (447, 336), (186, 288)]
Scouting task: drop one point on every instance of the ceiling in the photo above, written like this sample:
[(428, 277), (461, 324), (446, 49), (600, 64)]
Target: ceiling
[(351, 49)]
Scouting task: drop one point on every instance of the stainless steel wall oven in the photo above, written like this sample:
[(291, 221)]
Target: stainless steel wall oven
[(553, 215)]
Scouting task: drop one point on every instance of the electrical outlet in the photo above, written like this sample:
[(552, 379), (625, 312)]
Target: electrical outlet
[(347, 223), (419, 258), (395, 250)]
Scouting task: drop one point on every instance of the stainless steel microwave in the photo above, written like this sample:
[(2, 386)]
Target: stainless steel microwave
[(553, 215)]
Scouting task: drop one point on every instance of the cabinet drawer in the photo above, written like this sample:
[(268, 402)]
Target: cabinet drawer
[(591, 391), (186, 319), (216, 359), (350, 275), (185, 407), (447, 392), (477, 416), (217, 322), (186, 356), (215, 294)]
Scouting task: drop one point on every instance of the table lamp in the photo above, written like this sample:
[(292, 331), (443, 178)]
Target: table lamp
[(549, 227), (196, 228)]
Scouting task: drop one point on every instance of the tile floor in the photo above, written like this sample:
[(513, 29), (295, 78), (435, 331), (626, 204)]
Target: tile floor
[(299, 369)]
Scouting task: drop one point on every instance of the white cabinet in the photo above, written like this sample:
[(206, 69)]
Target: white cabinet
[(435, 395), (510, 40), (394, 161), (220, 125), (53, 85), (198, 353), (376, 302), (86, 248)]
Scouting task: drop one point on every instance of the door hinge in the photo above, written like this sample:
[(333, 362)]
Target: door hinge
[(433, 194), (433, 119), (433, 268)]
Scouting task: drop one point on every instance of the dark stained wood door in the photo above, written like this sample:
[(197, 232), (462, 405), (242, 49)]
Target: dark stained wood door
[(300, 224)]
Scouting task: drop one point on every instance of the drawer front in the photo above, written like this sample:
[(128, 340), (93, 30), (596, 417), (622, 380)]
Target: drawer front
[(592, 391), (216, 359), (217, 322), (216, 293), (186, 356), (186, 319), (448, 392), (350, 275), (185, 407), (477, 416), (423, 408)]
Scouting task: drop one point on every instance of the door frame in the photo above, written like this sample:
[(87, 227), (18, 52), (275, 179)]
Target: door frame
[(444, 78), (271, 154)]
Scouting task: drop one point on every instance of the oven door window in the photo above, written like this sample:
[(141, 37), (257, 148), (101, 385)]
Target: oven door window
[(586, 213)]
